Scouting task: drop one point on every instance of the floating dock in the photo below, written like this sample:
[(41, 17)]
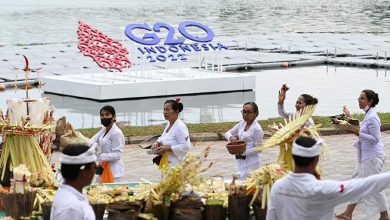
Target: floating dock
[(146, 84)]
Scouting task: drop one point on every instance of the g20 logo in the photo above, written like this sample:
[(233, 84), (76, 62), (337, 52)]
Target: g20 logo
[(153, 39), (173, 49)]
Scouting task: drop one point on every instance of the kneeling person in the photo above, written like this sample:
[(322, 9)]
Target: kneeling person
[(78, 169)]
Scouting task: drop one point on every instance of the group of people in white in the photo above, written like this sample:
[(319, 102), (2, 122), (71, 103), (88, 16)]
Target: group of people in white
[(298, 195)]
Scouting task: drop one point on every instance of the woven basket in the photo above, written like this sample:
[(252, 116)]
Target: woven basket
[(238, 148), (352, 128)]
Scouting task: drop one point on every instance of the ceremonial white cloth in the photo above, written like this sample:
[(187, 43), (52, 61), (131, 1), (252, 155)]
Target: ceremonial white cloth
[(178, 137), (253, 137), (376, 202), (112, 148), (313, 151), (88, 156), (300, 196), (284, 114), (71, 204)]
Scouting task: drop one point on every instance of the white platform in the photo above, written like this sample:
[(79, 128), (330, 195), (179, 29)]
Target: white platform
[(152, 83)]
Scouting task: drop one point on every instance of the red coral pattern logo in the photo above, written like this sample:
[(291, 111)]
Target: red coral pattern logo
[(107, 53)]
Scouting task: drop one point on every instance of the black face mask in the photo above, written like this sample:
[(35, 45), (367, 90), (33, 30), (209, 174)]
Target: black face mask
[(106, 121)]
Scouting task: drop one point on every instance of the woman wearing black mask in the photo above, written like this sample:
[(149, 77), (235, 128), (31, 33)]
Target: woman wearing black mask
[(111, 140)]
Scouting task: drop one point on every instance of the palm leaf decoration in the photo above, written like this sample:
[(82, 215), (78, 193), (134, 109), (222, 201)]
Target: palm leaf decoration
[(294, 126), (285, 136)]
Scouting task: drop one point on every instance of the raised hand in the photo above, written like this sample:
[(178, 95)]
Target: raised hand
[(282, 96), (346, 112)]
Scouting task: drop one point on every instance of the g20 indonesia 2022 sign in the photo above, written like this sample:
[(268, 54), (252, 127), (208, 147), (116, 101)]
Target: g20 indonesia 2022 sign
[(172, 49)]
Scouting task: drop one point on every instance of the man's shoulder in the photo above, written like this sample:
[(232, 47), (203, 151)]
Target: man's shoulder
[(66, 196), (282, 181)]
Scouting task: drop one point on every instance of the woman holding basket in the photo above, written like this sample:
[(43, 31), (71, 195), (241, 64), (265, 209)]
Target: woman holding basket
[(250, 131)]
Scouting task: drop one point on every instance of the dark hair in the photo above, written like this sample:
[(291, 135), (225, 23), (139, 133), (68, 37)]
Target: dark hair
[(372, 96), (108, 108), (176, 106), (71, 171), (254, 106), (308, 142), (309, 100)]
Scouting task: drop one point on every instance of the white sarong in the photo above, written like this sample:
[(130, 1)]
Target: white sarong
[(376, 202)]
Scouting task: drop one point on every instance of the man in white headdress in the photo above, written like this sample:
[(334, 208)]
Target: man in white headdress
[(78, 169), (299, 195)]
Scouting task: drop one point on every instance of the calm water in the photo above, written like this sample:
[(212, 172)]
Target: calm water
[(333, 86), (48, 21)]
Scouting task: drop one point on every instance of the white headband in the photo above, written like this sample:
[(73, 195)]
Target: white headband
[(313, 151), (88, 156)]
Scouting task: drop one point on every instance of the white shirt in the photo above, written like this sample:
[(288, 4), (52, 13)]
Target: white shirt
[(287, 115), (300, 196), (112, 148), (71, 204), (370, 143), (178, 138), (253, 137)]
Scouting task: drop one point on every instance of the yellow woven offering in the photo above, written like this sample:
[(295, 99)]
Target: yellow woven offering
[(176, 179), (292, 129), (264, 178), (285, 136)]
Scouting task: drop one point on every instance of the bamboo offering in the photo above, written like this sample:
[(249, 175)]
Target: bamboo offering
[(27, 122), (263, 179), (176, 180), (19, 149)]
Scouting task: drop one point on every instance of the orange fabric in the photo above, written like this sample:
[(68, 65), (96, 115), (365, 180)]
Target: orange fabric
[(107, 174)]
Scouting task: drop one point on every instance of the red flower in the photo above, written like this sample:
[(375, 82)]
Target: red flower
[(342, 188), (178, 99)]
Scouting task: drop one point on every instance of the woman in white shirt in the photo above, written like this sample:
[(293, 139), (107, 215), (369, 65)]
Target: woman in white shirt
[(302, 101), (371, 153), (111, 140), (174, 142), (250, 131)]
